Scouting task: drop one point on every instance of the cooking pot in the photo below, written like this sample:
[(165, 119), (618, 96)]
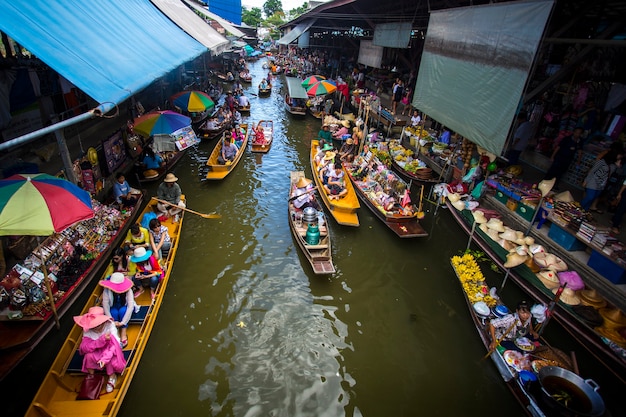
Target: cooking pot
[(570, 393)]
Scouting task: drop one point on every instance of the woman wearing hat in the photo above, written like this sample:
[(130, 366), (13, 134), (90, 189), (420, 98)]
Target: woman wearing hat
[(347, 151), (505, 330), (100, 346), (170, 191), (118, 302), (148, 273), (345, 125), (305, 196), (335, 187), (325, 164)]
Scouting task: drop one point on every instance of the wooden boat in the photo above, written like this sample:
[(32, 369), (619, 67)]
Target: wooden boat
[(57, 394), (218, 171), (18, 337), (204, 132), (522, 275), (296, 97), (319, 255), (528, 393), (265, 92), (268, 132), (317, 113), (382, 193), (145, 176), (245, 77), (344, 209), (406, 164)]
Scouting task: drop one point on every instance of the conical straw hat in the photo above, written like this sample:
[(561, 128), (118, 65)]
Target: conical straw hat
[(508, 234), (591, 298), (549, 279), (454, 197), (565, 197), (479, 216), (514, 259), (459, 204), (613, 317), (568, 296), (495, 224)]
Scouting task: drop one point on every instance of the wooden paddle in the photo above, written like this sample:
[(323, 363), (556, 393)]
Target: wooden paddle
[(206, 216), (300, 195)]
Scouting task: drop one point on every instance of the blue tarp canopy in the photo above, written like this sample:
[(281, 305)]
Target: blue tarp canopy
[(109, 50)]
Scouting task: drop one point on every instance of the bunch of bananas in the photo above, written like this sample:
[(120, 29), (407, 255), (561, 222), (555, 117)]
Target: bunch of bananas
[(472, 279)]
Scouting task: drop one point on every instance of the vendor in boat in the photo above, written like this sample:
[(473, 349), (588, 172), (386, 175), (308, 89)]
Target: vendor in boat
[(124, 194), (148, 273), (100, 346), (347, 151), (416, 120), (341, 132), (305, 195), (335, 186), (136, 237), (152, 160), (445, 136), (505, 330), (170, 191), (228, 152), (324, 135), (118, 302)]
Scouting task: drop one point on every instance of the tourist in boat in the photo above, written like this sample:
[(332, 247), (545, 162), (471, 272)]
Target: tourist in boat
[(259, 135), (243, 101), (236, 136), (118, 302), (237, 86), (347, 151), (212, 124), (264, 85), (119, 263), (335, 186), (148, 273), (160, 240), (324, 135), (237, 117), (505, 330), (170, 191), (152, 160), (124, 194), (100, 346), (305, 195), (228, 152), (136, 237), (230, 101)]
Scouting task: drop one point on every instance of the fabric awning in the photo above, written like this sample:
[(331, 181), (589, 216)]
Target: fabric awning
[(296, 32), (294, 86), (107, 51), (225, 23), (193, 24)]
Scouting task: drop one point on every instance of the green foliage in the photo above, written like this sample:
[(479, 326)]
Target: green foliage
[(251, 17), (270, 7), (481, 257), (293, 13)]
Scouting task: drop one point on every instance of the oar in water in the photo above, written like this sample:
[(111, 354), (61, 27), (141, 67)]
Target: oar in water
[(206, 216)]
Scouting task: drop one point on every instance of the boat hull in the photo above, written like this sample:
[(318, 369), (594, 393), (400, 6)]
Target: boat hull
[(268, 130), (294, 110), (219, 171)]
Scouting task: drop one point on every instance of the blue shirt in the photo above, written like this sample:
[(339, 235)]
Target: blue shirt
[(152, 163), (120, 190), (445, 137)]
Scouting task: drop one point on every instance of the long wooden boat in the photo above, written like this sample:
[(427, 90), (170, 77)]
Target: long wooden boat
[(294, 109), (219, 171), (265, 92), (296, 97), (319, 255), (527, 280), (18, 337), (204, 132), (344, 209), (148, 176), (268, 132), (401, 219), (315, 112), (244, 109), (57, 394), (245, 77), (406, 164), (508, 363)]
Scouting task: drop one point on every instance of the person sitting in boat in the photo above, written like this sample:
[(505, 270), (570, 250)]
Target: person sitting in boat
[(341, 132), (118, 302), (243, 101), (100, 345), (237, 86), (119, 263), (170, 192), (445, 136), (506, 330), (324, 136), (236, 136), (335, 186), (152, 160), (228, 152), (264, 84), (160, 240), (221, 115), (148, 273), (124, 194), (212, 124), (136, 237), (305, 195), (237, 117), (259, 135), (347, 151), (229, 76)]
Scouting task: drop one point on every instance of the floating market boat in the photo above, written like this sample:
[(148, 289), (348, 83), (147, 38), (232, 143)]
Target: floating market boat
[(386, 195), (219, 171), (209, 132), (524, 369), (268, 133), (296, 97), (344, 209), (245, 77), (319, 254), (57, 394), (609, 353), (408, 165), (265, 92)]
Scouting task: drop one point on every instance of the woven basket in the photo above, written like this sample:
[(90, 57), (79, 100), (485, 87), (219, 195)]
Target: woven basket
[(554, 355)]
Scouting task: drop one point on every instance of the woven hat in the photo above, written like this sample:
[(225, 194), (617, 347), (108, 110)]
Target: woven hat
[(520, 250), (150, 173), (484, 228), (479, 217), (493, 234), (546, 185), (549, 279), (568, 296), (303, 182), (329, 155), (614, 335), (514, 259), (495, 224), (529, 240), (349, 141), (93, 318), (532, 265), (345, 123), (589, 315), (565, 197), (459, 205), (508, 234), (613, 317), (549, 261), (117, 283), (140, 254), (591, 298), (535, 248), (170, 178), (454, 197)]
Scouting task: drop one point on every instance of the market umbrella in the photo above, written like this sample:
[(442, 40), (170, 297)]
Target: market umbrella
[(193, 101), (160, 122), (321, 88), (309, 81), (40, 205)]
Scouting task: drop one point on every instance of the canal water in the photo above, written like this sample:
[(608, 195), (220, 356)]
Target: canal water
[(247, 330)]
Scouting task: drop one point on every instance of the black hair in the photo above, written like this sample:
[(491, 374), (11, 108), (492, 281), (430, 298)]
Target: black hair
[(122, 254), (119, 175), (522, 306), (134, 228), (154, 223)]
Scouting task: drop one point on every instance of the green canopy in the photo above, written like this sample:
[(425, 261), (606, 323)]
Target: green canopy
[(294, 86)]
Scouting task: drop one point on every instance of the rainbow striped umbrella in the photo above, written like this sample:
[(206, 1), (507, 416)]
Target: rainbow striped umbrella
[(309, 81), (321, 88), (160, 122), (193, 101), (40, 204)]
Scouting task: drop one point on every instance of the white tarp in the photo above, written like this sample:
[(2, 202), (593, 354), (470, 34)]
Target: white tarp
[(393, 35), (370, 54), (295, 32)]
